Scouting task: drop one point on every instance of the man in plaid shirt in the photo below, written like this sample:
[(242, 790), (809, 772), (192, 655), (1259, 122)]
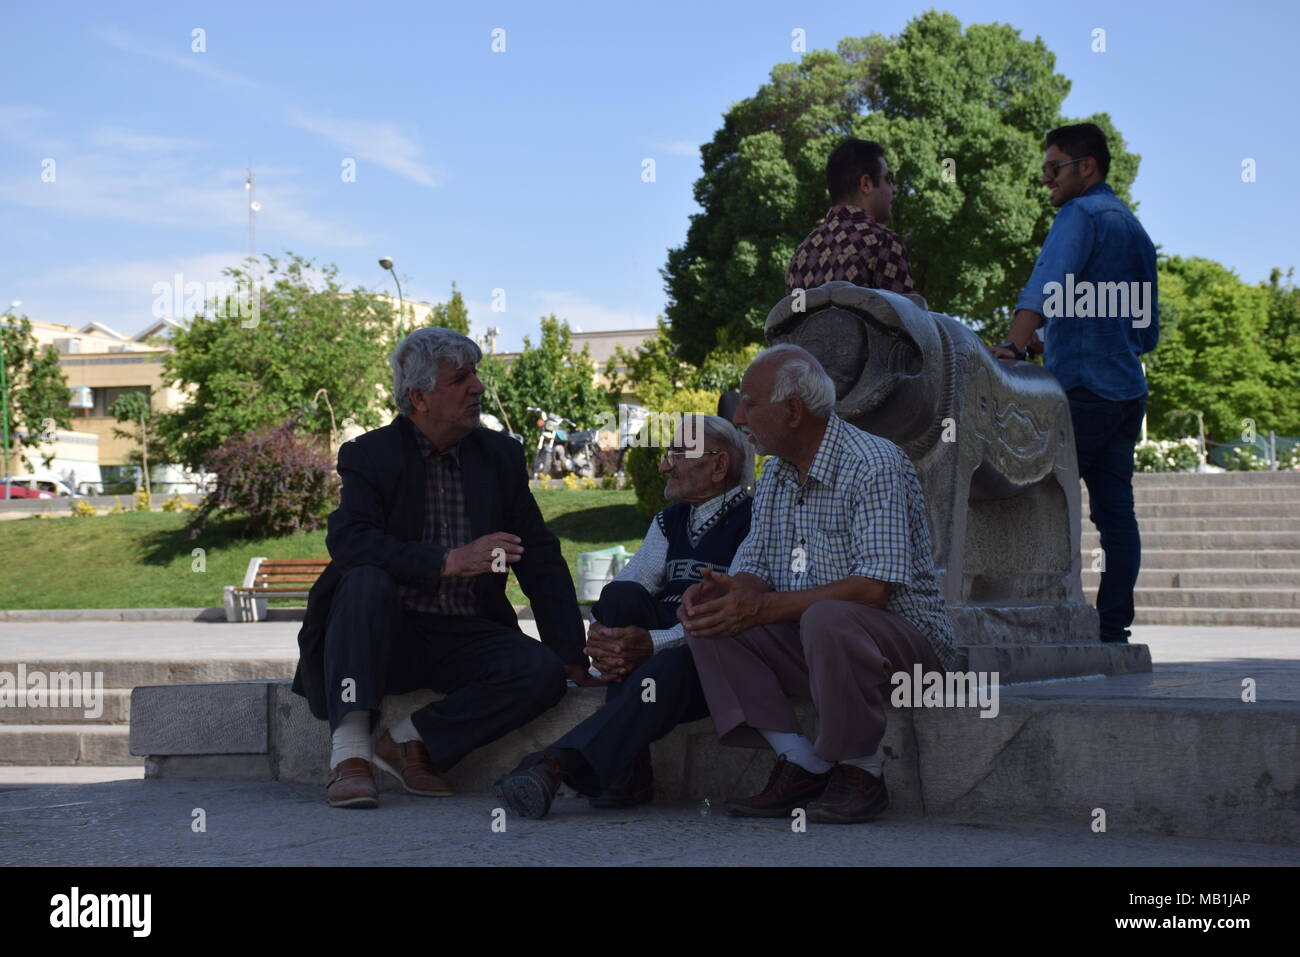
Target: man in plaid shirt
[(832, 592), (849, 243)]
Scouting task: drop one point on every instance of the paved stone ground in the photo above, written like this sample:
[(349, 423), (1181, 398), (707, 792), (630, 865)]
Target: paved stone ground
[(149, 823), (271, 639), (88, 817)]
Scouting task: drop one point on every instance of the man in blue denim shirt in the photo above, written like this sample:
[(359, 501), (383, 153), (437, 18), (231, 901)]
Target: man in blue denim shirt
[(1093, 295)]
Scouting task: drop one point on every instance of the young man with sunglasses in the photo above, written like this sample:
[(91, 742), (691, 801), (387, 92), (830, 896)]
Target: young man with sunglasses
[(1093, 293), (850, 244)]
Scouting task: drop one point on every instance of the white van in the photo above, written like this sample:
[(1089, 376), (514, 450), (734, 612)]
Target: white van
[(43, 481)]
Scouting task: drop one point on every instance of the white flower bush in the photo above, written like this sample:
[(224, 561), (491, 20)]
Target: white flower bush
[(1167, 455)]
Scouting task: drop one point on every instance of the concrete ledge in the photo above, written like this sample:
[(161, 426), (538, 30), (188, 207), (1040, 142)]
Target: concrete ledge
[(1192, 767), (137, 614), (225, 718)]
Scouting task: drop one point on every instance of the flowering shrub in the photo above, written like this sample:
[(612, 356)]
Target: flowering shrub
[(178, 504), (141, 499), (570, 482), (1173, 455), (82, 509), (282, 482)]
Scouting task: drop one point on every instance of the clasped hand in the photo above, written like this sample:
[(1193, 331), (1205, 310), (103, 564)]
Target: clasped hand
[(720, 606)]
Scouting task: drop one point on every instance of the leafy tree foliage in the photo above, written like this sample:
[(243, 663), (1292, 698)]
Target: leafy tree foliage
[(452, 314), (133, 408), (552, 375), (1217, 355), (961, 116), (308, 335), (35, 394)]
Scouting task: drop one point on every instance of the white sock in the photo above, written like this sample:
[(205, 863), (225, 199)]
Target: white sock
[(870, 764), (796, 748), (404, 731), (351, 739)]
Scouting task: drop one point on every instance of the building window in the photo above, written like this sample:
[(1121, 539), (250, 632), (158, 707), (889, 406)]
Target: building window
[(105, 397)]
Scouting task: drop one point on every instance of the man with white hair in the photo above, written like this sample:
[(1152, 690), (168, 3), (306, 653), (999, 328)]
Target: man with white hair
[(432, 511), (636, 641), (832, 592)]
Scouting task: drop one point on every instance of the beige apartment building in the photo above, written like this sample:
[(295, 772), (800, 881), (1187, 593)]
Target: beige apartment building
[(101, 364)]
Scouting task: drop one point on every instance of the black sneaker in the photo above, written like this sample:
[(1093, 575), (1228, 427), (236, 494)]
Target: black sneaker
[(529, 789)]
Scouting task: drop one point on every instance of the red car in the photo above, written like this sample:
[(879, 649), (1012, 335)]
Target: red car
[(17, 491)]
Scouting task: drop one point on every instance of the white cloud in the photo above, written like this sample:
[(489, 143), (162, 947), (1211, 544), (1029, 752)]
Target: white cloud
[(130, 141), (679, 148), (380, 143)]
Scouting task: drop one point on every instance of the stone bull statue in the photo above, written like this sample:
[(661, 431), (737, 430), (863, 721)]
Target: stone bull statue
[(993, 445)]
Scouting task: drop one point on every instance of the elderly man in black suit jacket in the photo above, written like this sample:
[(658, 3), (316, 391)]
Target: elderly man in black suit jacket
[(433, 510)]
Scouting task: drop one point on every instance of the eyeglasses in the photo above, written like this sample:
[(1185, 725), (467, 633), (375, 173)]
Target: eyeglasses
[(671, 455), (1052, 167)]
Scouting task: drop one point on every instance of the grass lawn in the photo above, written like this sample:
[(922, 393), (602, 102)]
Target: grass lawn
[(145, 560)]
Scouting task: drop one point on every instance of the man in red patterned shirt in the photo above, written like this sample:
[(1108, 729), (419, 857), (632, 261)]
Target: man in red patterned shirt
[(850, 243)]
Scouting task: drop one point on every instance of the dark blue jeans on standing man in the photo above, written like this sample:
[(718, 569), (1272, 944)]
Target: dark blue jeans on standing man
[(1105, 433)]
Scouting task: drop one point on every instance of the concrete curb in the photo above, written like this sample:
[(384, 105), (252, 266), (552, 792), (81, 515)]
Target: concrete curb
[(1191, 767), (136, 614)]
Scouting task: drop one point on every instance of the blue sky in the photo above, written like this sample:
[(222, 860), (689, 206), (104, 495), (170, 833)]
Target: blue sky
[(521, 170)]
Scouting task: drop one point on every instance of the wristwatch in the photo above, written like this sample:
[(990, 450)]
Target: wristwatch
[(1024, 355)]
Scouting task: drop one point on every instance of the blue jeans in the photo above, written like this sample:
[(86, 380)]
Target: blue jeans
[(1105, 433)]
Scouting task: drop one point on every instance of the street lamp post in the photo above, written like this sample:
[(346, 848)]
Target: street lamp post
[(387, 263), (4, 398)]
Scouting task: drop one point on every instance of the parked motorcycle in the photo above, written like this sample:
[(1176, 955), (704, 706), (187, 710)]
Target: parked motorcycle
[(560, 452)]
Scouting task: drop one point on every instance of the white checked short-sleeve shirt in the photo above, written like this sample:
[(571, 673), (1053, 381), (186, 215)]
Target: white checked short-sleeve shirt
[(860, 511)]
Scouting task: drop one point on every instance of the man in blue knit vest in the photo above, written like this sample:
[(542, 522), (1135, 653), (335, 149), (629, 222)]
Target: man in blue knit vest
[(636, 641)]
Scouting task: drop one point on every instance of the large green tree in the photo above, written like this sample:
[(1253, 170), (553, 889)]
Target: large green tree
[(551, 375), (252, 372), (961, 115), (35, 391), (1214, 356)]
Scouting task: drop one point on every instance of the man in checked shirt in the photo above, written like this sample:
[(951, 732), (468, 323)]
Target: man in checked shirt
[(850, 243), (832, 592)]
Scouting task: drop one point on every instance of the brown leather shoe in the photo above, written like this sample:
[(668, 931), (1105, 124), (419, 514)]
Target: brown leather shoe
[(788, 787), (410, 763), (352, 784), (851, 797)]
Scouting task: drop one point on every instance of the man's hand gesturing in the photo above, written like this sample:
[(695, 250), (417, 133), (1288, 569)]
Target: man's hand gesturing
[(491, 553)]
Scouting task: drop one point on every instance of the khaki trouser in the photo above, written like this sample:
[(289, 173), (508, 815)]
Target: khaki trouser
[(840, 653)]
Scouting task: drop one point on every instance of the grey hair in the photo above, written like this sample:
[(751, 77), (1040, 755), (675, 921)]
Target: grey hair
[(415, 361), (718, 431), (799, 373)]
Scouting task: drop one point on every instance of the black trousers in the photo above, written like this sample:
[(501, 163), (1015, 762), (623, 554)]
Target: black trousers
[(635, 712), (496, 678), (1105, 434)]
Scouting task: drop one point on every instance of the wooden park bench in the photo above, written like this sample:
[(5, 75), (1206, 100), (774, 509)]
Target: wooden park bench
[(270, 578)]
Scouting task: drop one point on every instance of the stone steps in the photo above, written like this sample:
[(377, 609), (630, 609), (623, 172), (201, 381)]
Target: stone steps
[(1235, 523), (116, 709), (1175, 508), (1206, 541), (1175, 753), (66, 737), (1182, 559), (1209, 495), (1182, 480), (66, 744), (1206, 577), (1228, 598), (1232, 617)]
